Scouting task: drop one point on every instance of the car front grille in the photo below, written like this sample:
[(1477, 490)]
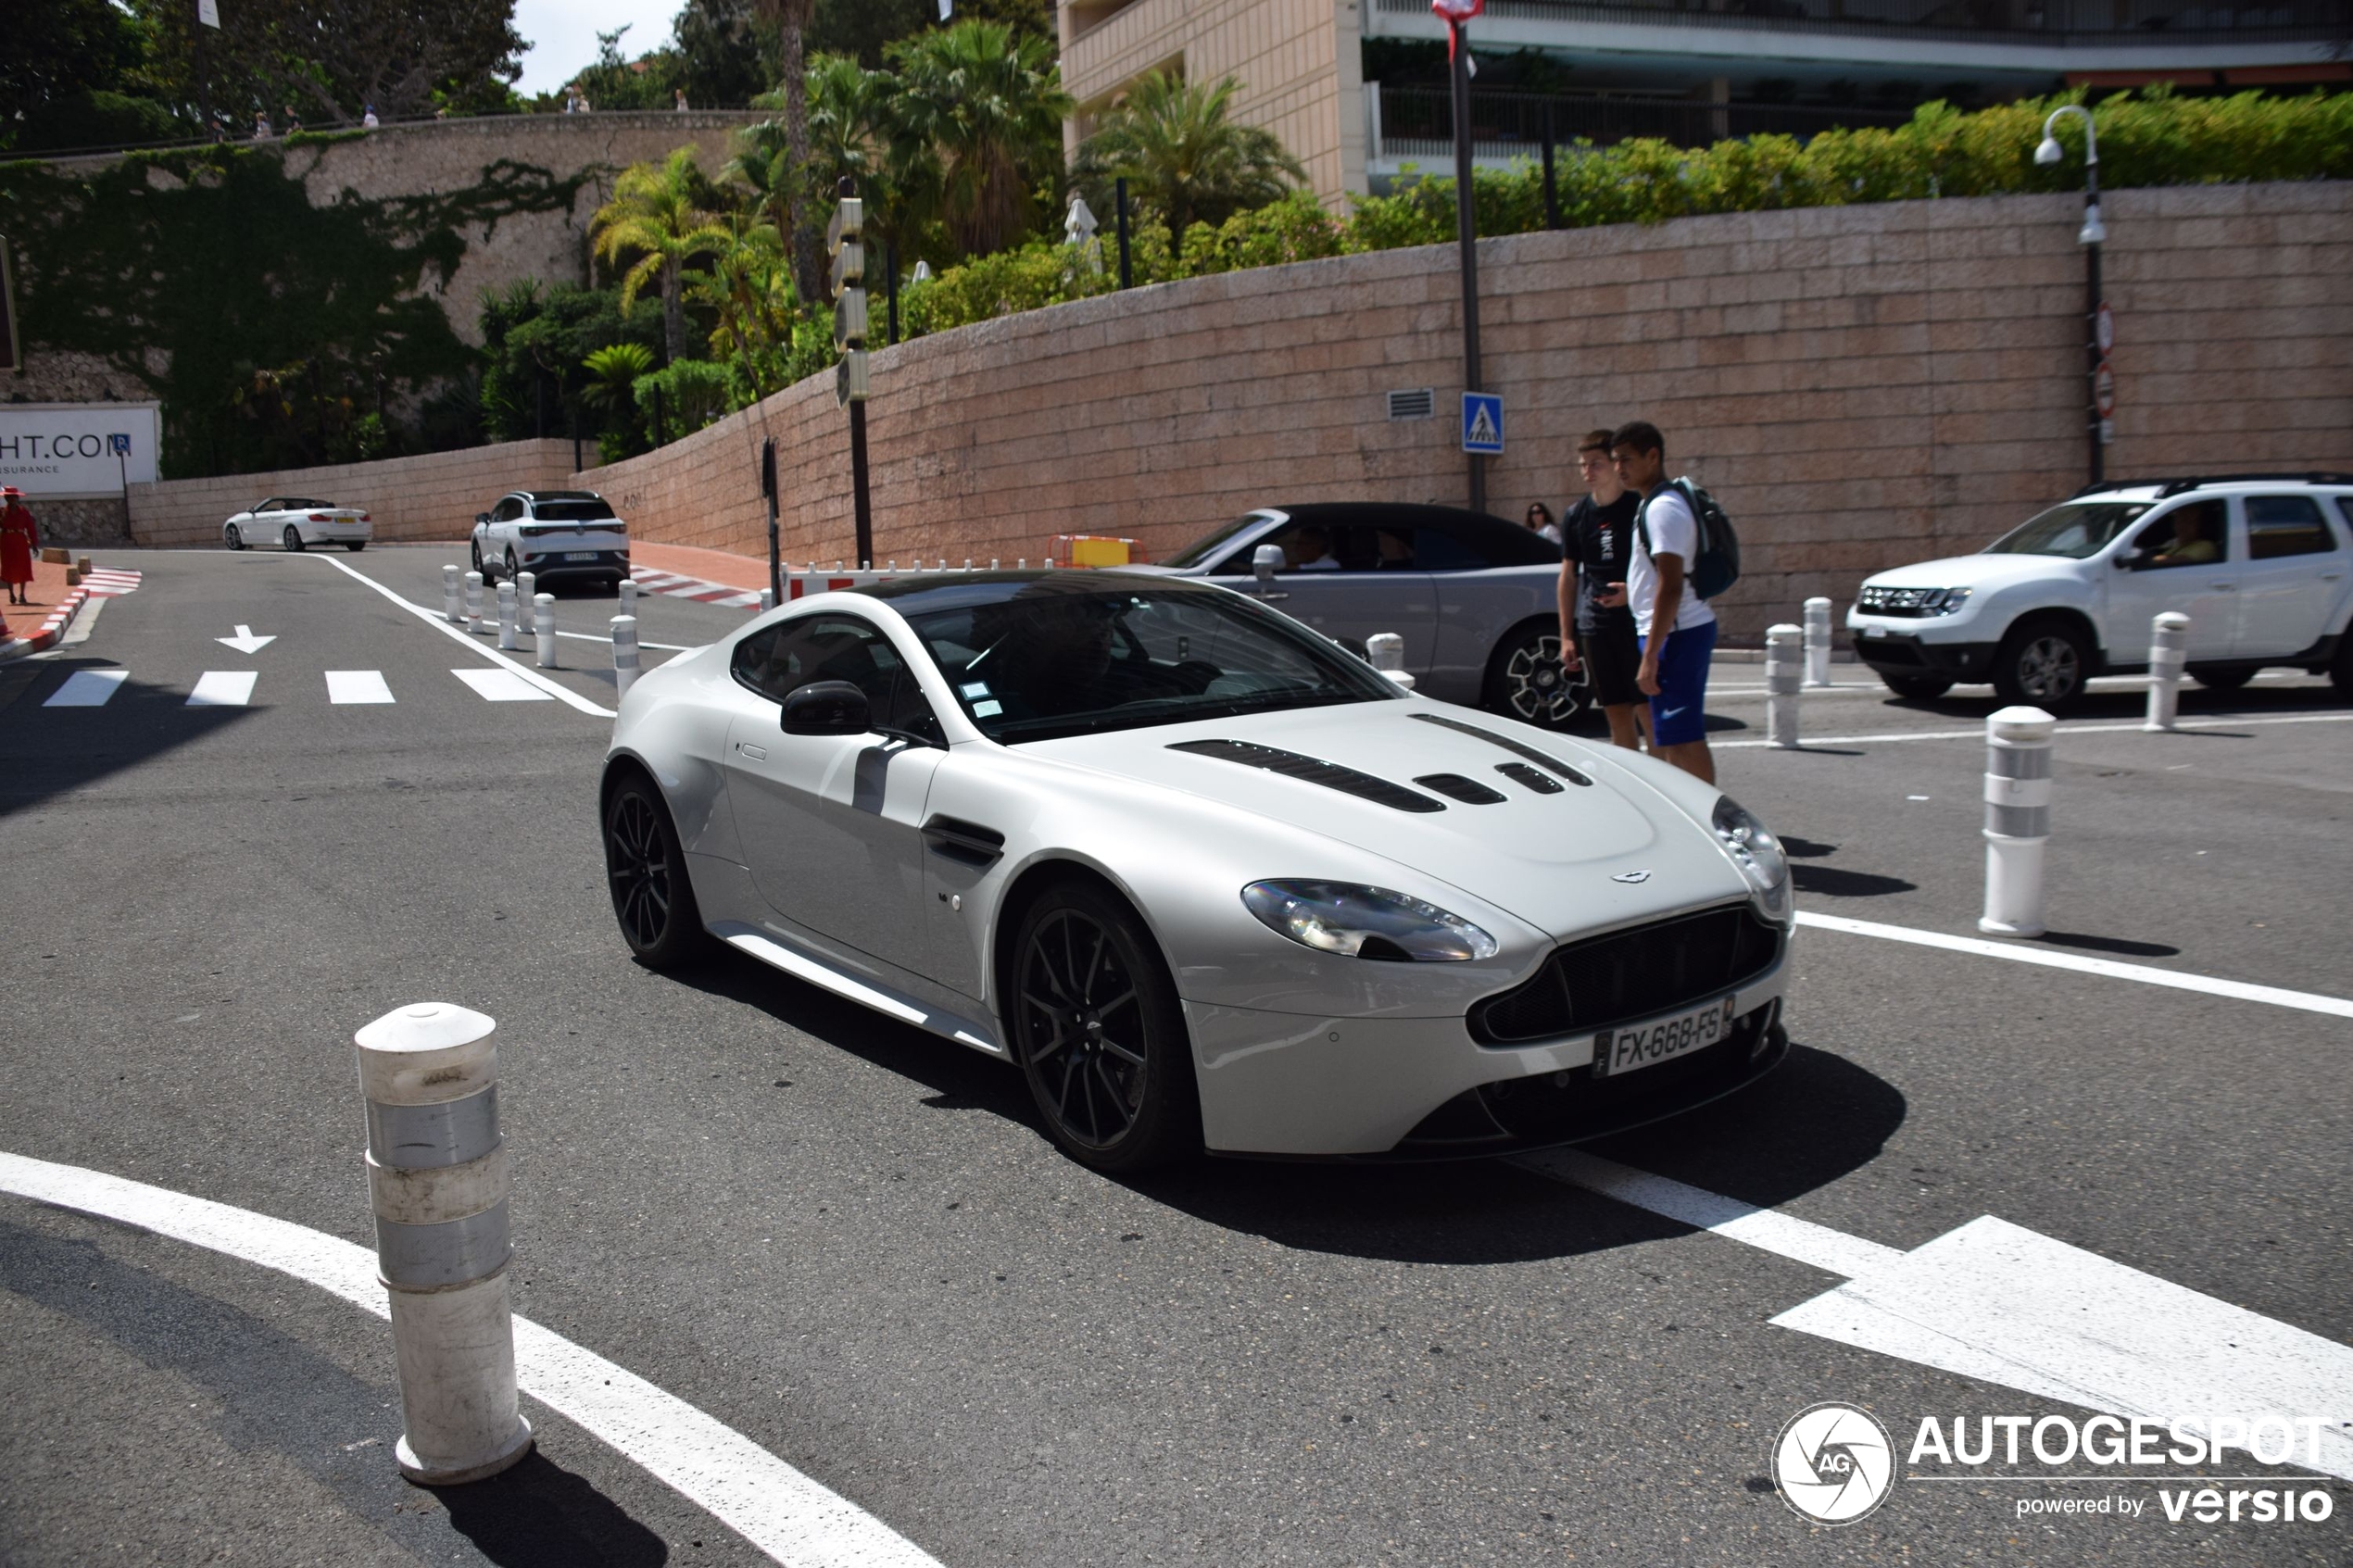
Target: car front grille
[(1630, 975)]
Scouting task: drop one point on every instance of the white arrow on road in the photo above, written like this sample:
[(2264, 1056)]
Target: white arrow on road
[(245, 642)]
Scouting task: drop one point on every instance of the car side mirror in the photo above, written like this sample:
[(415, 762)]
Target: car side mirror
[(2131, 560), (826, 707), (483, 517), (1266, 560)]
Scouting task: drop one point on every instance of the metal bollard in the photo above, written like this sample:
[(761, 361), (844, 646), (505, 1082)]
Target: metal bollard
[(767, 600), (438, 1181), (526, 594), (625, 653), (473, 601), (507, 614), (2169, 647), (1817, 643), (628, 597), (543, 627), (2017, 818), (1387, 652), (1782, 653), (452, 596)]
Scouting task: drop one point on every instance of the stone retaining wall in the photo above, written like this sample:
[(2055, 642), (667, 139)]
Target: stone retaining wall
[(422, 499)]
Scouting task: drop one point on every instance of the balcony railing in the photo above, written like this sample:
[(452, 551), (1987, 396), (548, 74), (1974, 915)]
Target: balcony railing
[(1416, 124), (2020, 21)]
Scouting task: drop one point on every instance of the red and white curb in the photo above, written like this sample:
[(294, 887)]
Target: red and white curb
[(799, 581), (51, 629), (671, 586)]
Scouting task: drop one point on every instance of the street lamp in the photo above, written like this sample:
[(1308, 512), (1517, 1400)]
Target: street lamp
[(2091, 237)]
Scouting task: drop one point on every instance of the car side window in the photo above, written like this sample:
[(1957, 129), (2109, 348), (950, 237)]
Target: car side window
[(507, 510), (2286, 525), (273, 504), (1436, 550), (2195, 533), (780, 659)]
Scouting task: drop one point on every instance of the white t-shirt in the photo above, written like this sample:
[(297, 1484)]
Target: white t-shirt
[(1673, 532)]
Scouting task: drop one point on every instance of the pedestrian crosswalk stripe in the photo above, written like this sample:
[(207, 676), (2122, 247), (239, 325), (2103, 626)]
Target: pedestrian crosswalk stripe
[(107, 582), (501, 685), (671, 586), (88, 688), (222, 688), (357, 685)]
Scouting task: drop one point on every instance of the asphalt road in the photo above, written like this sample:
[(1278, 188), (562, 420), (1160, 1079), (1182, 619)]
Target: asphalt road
[(851, 1243)]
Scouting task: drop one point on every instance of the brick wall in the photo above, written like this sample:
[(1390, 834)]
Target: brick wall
[(430, 497)]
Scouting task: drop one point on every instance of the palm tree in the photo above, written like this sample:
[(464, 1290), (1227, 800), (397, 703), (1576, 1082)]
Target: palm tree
[(615, 369), (976, 123), (1172, 141), (656, 216), (749, 286), (791, 17)]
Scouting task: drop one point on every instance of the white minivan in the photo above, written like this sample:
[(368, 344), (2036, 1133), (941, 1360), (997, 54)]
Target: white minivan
[(2262, 564)]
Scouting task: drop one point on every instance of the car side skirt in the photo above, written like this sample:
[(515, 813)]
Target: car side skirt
[(777, 951)]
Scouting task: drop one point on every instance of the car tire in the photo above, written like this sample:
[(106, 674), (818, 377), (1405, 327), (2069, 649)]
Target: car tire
[(233, 538), (1917, 688), (2341, 667), (489, 576), (1099, 1032), (2043, 662), (1525, 680), (511, 569), (653, 899), (355, 545), (2222, 677), (292, 539)]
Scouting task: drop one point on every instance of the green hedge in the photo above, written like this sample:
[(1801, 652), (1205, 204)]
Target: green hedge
[(2148, 138)]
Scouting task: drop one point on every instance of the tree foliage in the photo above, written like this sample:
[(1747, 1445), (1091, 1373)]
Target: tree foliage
[(975, 124), (1172, 140), (330, 58), (660, 219)]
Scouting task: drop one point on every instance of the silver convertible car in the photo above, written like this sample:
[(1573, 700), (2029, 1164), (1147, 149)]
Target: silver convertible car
[(1206, 878)]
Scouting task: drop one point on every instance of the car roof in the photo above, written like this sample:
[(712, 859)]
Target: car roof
[(2164, 489), (1050, 580), (1493, 534)]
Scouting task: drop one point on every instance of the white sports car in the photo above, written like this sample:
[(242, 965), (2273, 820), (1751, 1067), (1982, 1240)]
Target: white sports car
[(296, 523), (1207, 878)]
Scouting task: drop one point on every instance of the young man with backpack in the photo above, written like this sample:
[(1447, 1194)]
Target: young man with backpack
[(1670, 562)]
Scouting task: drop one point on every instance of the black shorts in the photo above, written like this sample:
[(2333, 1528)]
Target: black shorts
[(1611, 655)]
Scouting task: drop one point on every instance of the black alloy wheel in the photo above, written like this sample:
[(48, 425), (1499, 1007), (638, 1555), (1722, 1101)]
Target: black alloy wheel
[(2222, 677), (651, 896), (2045, 663), (1919, 688), (292, 539), (1525, 680), (1102, 1039)]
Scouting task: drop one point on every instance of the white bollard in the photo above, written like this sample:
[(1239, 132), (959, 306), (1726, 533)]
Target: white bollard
[(767, 600), (1022, 565), (628, 597), (473, 601), (1817, 642), (543, 627), (625, 653), (2017, 818), (1781, 653), (438, 1181), (452, 596), (968, 563), (526, 592), (507, 614), (1387, 652), (2169, 647), (992, 563)]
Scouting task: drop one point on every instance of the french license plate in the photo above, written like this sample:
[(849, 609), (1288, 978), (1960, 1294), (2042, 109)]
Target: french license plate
[(1643, 1045), (580, 555)]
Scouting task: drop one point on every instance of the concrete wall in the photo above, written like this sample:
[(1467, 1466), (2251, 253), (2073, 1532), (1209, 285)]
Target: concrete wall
[(429, 498)]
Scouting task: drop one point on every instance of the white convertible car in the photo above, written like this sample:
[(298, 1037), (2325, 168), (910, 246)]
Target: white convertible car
[(296, 523), (1205, 877)]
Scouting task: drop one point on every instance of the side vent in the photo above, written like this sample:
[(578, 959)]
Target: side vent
[(1520, 772), (1415, 403), (1312, 770), (1545, 760), (1471, 791), (967, 841)]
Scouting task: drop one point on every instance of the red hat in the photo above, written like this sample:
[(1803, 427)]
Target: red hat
[(10, 492)]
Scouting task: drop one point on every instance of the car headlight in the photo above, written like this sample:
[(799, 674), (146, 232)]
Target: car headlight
[(1910, 601), (1365, 923), (1756, 851), (1946, 601)]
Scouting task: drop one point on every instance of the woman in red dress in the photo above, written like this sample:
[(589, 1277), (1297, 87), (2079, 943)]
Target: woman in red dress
[(19, 539)]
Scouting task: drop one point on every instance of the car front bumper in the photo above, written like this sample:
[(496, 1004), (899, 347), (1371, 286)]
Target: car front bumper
[(1896, 647), (1420, 1088)]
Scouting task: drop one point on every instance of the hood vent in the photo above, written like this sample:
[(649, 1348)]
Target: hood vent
[(1520, 772), (1313, 769), (1549, 763), (1471, 791)]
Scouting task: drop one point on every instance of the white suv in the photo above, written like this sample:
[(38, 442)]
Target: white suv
[(554, 535), (2258, 562)]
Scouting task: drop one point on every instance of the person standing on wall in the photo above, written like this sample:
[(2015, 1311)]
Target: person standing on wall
[(18, 539), (1596, 541), (1677, 629)]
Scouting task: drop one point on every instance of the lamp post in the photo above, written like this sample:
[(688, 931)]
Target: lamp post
[(2093, 233), (1455, 13)]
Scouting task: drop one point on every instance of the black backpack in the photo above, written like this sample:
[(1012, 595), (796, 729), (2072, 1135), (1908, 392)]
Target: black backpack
[(1718, 566)]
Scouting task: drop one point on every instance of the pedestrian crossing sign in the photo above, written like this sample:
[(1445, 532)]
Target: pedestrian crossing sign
[(1483, 422)]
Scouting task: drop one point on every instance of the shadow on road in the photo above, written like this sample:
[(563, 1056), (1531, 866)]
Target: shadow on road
[(540, 1515), (2133, 702), (52, 751)]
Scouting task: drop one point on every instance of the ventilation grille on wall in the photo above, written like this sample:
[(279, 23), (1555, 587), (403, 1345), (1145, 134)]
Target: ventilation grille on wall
[(1415, 403)]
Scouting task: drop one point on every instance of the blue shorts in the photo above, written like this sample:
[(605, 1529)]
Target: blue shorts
[(1679, 713)]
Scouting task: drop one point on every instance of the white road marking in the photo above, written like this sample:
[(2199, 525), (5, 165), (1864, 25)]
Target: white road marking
[(500, 686), (607, 640), (2065, 728), (222, 688), (434, 619), (88, 688), (2240, 990), (357, 686), (1997, 1303), (782, 1512), (245, 642)]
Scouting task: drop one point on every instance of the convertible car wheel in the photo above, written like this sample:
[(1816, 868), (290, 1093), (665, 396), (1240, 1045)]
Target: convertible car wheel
[(1525, 680), (651, 898), (1102, 1039), (230, 537), (293, 540)]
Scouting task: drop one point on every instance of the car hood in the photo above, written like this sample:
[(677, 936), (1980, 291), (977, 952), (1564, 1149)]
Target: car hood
[(1971, 572), (1555, 860)]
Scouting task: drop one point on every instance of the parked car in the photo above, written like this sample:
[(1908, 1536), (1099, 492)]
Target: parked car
[(296, 523), (1475, 597), (2258, 562), (554, 535), (1204, 877)]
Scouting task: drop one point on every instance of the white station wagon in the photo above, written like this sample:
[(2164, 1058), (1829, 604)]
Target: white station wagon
[(296, 523)]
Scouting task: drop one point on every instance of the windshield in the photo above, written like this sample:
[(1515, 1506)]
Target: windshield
[(2078, 530), (1073, 654), (1206, 548), (572, 511)]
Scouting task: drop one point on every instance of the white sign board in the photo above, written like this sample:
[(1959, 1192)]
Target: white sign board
[(78, 451)]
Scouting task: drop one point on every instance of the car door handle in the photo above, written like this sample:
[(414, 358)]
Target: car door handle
[(757, 753), (2331, 576), (2222, 587)]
